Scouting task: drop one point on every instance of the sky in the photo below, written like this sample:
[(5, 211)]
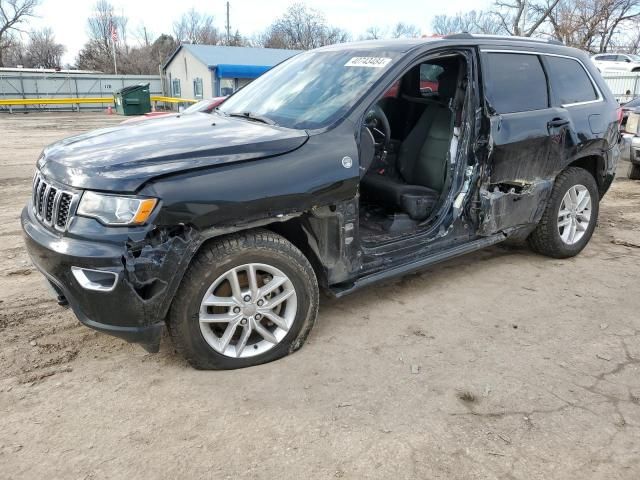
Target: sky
[(68, 18)]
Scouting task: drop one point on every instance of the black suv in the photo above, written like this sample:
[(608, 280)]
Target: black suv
[(338, 168)]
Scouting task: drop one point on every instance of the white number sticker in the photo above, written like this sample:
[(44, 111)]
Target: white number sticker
[(371, 62)]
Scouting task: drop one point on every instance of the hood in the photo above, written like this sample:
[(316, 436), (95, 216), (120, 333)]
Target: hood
[(124, 157)]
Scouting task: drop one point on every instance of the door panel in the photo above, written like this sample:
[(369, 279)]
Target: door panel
[(521, 165), (521, 143)]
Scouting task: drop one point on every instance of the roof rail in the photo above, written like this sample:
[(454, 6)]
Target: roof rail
[(469, 36)]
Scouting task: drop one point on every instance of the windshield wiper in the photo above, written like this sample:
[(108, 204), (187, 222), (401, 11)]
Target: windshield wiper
[(251, 116)]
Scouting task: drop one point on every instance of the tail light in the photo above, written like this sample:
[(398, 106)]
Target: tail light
[(620, 117)]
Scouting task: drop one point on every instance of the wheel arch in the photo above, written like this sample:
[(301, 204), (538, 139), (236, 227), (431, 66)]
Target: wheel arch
[(594, 164), (298, 232)]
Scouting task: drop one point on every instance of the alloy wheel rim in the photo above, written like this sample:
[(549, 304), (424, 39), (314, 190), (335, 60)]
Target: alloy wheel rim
[(248, 310), (574, 215)]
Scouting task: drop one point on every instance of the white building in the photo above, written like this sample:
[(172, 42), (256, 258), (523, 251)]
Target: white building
[(205, 71)]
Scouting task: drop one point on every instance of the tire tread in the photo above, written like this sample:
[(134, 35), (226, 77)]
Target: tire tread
[(542, 239)]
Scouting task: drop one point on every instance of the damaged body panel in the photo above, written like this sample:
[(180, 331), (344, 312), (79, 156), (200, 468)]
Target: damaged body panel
[(526, 150), (147, 267)]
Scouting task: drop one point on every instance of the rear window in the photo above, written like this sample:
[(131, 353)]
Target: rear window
[(515, 82), (569, 81)]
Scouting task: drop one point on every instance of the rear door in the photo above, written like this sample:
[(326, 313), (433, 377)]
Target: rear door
[(575, 94), (525, 130)]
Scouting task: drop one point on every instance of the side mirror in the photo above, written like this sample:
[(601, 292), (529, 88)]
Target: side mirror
[(627, 60)]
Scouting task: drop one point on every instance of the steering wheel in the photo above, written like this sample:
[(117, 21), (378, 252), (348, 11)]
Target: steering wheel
[(378, 124)]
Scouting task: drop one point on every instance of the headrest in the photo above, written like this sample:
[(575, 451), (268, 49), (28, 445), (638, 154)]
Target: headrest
[(448, 83)]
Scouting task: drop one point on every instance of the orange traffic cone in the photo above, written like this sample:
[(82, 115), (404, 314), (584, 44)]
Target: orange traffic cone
[(109, 110)]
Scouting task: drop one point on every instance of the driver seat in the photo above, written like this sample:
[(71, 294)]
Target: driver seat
[(421, 163)]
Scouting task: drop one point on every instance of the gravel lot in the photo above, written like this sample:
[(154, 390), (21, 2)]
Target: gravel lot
[(500, 364)]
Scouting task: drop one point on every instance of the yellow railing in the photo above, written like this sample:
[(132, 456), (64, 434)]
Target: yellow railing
[(159, 98), (77, 101)]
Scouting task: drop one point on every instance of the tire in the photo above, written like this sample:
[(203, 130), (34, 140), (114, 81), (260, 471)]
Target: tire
[(269, 257), (546, 238), (634, 172)]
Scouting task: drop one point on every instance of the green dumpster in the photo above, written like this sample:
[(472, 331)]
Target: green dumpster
[(133, 100)]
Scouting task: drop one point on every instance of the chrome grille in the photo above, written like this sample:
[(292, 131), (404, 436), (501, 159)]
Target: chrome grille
[(51, 204)]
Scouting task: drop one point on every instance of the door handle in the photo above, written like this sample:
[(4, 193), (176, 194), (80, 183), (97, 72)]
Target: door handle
[(557, 122)]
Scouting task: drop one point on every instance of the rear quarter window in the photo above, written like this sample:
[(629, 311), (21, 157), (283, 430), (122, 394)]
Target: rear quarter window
[(515, 82), (569, 81)]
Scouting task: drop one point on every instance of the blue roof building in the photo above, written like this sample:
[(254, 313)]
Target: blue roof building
[(205, 71)]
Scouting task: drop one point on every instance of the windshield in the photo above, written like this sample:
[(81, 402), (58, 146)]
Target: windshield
[(310, 90), (635, 58)]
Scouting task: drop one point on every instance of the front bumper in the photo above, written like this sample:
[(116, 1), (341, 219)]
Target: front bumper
[(136, 306)]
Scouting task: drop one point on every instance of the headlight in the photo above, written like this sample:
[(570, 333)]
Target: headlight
[(114, 210)]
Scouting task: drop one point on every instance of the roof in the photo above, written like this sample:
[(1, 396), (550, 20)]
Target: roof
[(405, 44), (214, 55), (391, 45), (43, 70)]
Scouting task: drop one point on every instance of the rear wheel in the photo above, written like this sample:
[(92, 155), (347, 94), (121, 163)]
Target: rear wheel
[(245, 300), (634, 172), (570, 216)]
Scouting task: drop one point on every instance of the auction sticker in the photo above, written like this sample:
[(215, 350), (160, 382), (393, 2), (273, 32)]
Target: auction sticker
[(371, 62)]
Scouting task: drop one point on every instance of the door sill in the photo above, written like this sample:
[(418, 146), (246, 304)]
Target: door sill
[(343, 289)]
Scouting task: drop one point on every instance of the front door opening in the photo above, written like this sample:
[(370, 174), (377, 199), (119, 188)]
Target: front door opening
[(415, 125)]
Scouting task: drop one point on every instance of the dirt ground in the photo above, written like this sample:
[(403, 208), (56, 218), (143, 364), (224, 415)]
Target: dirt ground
[(500, 364)]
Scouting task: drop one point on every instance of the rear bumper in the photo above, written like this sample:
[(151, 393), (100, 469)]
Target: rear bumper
[(135, 308)]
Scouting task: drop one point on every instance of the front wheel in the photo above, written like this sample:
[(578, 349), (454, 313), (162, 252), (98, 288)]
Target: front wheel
[(246, 299), (570, 215), (634, 172)]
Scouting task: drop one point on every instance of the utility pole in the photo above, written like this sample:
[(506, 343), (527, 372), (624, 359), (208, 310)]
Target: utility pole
[(228, 26)]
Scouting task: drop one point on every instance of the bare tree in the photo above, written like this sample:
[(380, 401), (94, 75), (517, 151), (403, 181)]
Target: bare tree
[(515, 18), (196, 27), (43, 50), (102, 21), (301, 28), (373, 33), (14, 54), (142, 60), (404, 30), (618, 13), (629, 39), (13, 13), (471, 22), (161, 48), (594, 25), (237, 40), (97, 53), (143, 35)]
